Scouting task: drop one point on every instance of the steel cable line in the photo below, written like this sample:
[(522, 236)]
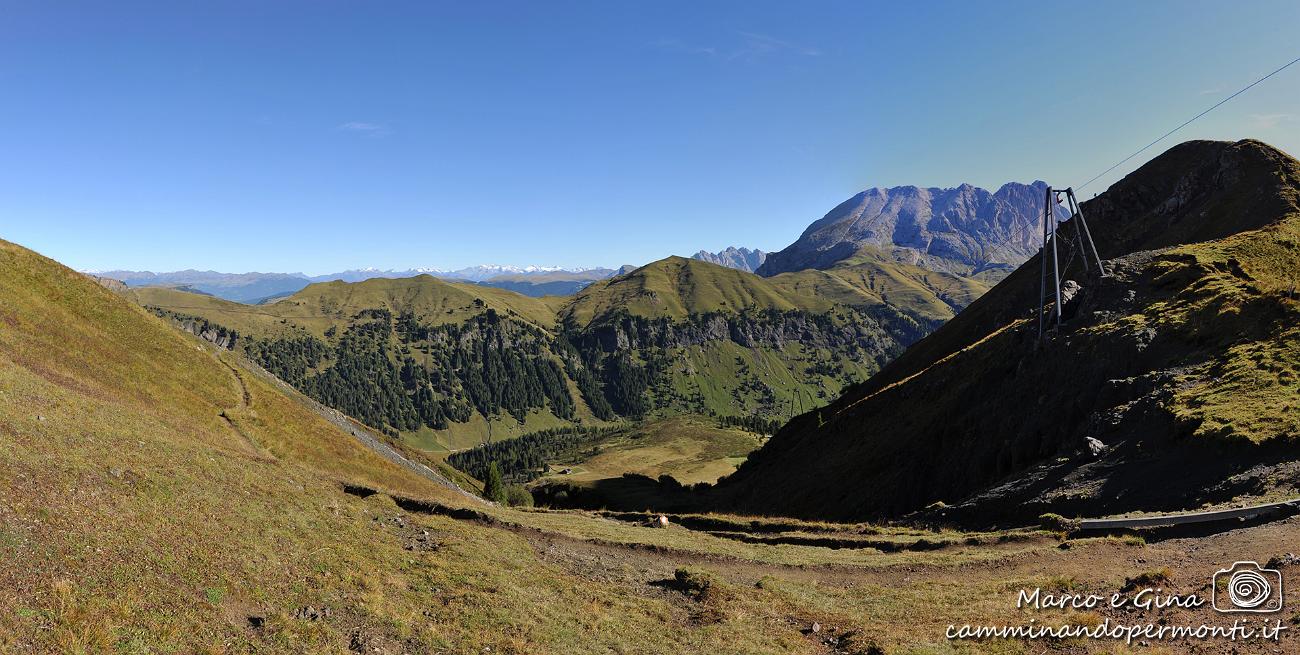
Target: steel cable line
[(1189, 121), (1164, 136)]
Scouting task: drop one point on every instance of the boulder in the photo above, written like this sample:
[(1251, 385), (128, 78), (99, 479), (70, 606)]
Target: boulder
[(1095, 446)]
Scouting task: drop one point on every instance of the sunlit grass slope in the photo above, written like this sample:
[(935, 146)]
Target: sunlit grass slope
[(688, 448), (869, 278), (677, 287)]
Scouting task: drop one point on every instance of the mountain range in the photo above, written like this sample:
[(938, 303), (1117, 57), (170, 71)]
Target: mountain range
[(253, 288), (703, 335), (964, 230)]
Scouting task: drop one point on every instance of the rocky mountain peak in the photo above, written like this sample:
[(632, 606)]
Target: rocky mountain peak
[(962, 229), (732, 257)]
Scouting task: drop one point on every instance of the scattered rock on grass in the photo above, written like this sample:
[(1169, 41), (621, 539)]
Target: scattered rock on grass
[(310, 613)]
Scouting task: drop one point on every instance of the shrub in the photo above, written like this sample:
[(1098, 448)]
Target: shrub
[(1057, 523), (1133, 540), (1149, 579), (517, 495), (669, 483), (695, 583)]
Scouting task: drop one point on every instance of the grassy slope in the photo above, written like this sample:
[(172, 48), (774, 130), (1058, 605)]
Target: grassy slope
[(690, 449), (326, 304), (677, 287), (716, 374), (869, 278), (433, 301), (264, 320), (130, 411), (1251, 391)]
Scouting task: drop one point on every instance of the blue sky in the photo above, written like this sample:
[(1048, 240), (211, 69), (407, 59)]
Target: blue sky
[(320, 136)]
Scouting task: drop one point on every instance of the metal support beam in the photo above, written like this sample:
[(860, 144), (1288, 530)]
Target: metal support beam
[(1078, 211), (1042, 260), (1056, 268), (1085, 244)]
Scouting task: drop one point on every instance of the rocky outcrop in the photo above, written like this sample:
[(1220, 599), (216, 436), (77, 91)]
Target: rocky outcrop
[(217, 335), (742, 259), (116, 286), (766, 329)]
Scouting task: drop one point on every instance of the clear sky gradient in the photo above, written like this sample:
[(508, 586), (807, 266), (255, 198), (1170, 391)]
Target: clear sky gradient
[(321, 136)]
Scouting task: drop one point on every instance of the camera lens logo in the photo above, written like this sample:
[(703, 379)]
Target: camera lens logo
[(1247, 587)]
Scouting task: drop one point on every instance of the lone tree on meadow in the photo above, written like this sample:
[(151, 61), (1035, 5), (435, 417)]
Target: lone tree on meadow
[(493, 488)]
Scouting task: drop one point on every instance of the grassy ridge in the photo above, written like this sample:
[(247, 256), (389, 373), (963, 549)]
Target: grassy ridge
[(677, 287), (89, 342), (323, 305), (870, 278)]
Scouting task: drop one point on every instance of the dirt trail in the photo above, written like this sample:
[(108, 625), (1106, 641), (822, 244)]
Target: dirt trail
[(244, 408)]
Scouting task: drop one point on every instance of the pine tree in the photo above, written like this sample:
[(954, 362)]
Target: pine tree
[(493, 489)]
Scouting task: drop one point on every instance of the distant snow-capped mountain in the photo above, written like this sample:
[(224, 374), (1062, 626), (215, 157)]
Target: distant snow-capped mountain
[(255, 287), (477, 273)]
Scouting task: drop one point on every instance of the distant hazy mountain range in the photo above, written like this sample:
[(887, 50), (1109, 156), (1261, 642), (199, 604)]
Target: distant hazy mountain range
[(742, 259), (240, 287), (260, 287), (964, 230)]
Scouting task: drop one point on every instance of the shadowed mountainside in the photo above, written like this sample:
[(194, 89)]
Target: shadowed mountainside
[(1183, 365)]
